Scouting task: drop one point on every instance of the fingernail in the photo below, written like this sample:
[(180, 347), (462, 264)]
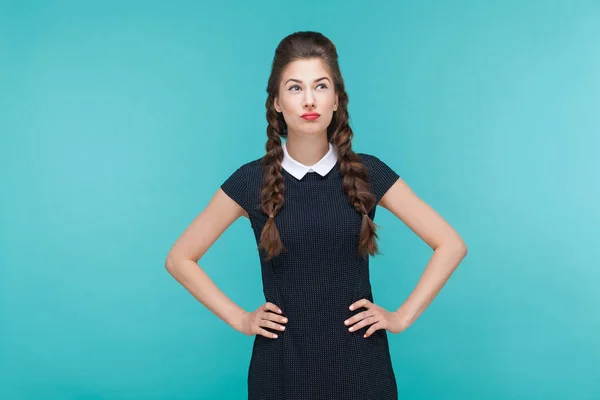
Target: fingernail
[(352, 307), (285, 320), (279, 310), (346, 322), (274, 335)]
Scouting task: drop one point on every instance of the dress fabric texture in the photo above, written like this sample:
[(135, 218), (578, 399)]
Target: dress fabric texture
[(314, 282)]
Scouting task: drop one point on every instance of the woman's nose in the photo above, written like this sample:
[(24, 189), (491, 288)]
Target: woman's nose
[(309, 102)]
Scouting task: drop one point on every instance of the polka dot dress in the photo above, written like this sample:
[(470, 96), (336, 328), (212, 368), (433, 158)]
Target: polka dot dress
[(314, 282)]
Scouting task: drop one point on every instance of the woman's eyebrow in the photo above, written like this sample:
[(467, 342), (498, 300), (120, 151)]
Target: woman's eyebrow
[(299, 81)]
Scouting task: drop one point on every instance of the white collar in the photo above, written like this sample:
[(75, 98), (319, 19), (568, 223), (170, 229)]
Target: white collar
[(298, 170)]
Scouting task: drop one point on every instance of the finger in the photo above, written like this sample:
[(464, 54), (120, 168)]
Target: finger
[(364, 322), (359, 303), (271, 324), (357, 317), (271, 307), (269, 316), (372, 330), (265, 333)]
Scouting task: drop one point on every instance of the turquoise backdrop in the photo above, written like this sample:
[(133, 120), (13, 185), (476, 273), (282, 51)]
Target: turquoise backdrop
[(120, 119)]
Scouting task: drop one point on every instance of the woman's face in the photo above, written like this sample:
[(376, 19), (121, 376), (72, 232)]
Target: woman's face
[(306, 87)]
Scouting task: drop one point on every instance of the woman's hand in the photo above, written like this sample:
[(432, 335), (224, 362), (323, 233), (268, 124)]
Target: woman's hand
[(252, 323), (377, 317)]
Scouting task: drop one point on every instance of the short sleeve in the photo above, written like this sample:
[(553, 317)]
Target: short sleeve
[(236, 187), (381, 175)]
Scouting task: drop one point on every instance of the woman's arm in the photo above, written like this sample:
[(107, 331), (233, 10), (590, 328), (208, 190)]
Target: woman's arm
[(449, 248), (182, 260)]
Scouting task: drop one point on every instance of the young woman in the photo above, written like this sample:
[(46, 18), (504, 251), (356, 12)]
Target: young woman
[(311, 203)]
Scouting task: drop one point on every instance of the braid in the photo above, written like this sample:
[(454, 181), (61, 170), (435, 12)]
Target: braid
[(355, 179), (273, 187)]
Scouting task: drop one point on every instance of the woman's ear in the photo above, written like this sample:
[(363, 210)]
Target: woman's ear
[(276, 104)]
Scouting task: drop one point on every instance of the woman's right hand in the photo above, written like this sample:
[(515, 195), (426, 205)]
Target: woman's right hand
[(265, 316)]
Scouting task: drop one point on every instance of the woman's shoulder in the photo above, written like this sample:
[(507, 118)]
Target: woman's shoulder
[(366, 157), (248, 171), (251, 167), (372, 161)]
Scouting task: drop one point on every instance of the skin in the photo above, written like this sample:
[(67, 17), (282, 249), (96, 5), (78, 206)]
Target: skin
[(307, 143)]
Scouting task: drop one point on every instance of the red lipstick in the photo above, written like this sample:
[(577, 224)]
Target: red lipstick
[(311, 116)]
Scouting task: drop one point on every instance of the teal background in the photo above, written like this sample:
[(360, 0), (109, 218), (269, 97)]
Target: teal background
[(120, 119)]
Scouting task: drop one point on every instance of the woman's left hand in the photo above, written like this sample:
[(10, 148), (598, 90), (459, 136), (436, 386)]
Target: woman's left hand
[(377, 317)]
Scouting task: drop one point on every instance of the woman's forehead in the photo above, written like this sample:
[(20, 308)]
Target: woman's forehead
[(305, 70)]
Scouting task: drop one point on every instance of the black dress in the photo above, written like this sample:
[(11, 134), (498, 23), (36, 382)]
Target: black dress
[(314, 283)]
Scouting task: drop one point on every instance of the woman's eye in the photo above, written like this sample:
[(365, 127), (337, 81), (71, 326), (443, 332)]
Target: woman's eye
[(296, 86)]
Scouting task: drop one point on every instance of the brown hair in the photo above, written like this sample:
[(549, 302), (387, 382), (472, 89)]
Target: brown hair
[(306, 45)]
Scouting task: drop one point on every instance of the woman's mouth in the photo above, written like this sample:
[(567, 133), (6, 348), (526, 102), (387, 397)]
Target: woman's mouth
[(311, 116)]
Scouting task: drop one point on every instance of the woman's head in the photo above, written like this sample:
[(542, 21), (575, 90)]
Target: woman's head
[(306, 57), (306, 86)]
